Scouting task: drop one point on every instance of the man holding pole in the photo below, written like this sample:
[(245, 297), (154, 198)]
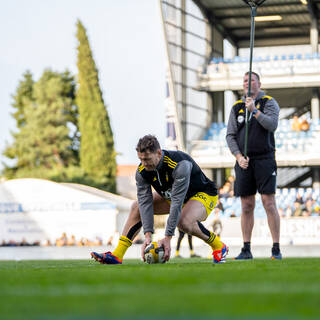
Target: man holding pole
[(256, 168)]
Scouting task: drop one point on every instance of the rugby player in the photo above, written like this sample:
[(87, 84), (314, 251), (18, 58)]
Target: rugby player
[(181, 189)]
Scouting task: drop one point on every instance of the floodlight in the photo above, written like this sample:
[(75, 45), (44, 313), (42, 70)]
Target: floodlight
[(268, 18)]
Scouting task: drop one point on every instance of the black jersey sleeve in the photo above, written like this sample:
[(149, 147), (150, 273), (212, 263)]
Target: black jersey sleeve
[(181, 176), (145, 202)]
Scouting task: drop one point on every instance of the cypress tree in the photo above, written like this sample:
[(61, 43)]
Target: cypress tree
[(97, 154)]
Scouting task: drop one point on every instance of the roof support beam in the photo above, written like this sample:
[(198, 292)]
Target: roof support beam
[(265, 5), (314, 27)]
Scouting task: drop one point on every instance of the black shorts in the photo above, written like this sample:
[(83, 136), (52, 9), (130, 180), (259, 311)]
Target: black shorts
[(261, 175)]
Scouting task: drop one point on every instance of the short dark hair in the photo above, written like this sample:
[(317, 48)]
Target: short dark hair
[(148, 143), (252, 72)]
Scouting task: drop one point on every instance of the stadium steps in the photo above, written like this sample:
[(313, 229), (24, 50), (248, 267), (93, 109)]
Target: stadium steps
[(292, 177)]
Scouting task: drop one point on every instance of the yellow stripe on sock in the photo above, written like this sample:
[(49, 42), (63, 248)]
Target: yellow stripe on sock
[(123, 245), (214, 241)]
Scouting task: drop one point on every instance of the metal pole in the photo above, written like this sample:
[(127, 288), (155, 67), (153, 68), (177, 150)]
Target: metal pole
[(253, 14)]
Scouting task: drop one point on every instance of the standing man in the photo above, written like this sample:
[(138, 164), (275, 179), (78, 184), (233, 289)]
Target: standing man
[(258, 171), (181, 189), (181, 235)]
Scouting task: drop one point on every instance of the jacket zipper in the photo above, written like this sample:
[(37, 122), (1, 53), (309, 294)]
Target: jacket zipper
[(159, 178)]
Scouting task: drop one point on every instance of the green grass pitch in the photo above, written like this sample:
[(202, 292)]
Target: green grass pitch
[(180, 289)]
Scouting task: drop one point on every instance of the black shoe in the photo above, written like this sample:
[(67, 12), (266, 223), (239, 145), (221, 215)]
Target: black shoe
[(276, 254), (194, 256), (244, 255)]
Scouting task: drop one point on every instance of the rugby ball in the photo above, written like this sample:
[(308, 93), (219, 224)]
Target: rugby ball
[(154, 254)]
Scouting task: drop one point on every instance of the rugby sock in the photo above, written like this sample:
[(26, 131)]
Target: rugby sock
[(177, 253), (247, 246), (123, 244), (276, 247), (191, 252), (213, 241)]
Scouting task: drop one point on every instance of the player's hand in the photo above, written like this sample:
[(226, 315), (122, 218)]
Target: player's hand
[(165, 243), (146, 242), (250, 104), (243, 162)]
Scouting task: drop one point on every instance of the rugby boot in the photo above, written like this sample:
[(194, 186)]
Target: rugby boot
[(106, 258), (245, 254), (219, 256), (276, 254)]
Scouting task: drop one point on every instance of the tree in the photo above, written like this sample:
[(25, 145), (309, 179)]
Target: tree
[(48, 124), (97, 154), (21, 98)]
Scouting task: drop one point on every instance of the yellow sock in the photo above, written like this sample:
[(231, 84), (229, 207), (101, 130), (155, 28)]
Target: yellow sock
[(191, 252), (177, 253), (123, 244), (214, 242)]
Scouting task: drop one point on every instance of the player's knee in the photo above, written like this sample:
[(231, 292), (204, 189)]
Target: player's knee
[(184, 226), (270, 207), (248, 208)]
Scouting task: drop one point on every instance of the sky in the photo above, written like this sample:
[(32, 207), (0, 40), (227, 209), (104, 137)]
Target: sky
[(128, 47)]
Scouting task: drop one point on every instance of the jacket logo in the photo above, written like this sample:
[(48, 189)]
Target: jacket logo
[(241, 111), (167, 177), (240, 119), (166, 194), (155, 179)]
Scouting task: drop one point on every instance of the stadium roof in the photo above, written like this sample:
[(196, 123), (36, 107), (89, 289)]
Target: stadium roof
[(233, 18)]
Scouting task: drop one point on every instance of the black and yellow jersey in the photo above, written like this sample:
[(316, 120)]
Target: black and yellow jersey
[(162, 178), (261, 142)]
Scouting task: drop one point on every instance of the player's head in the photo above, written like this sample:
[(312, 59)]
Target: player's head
[(149, 152), (255, 83)]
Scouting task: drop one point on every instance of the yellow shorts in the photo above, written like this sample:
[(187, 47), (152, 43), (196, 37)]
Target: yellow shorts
[(209, 202)]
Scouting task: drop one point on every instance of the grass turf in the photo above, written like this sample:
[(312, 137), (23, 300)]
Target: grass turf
[(180, 289)]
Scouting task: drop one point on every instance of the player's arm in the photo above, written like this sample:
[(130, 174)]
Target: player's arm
[(145, 202), (270, 118), (181, 175), (231, 136)]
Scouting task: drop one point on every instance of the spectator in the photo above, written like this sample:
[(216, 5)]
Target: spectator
[(299, 199), (305, 126), (296, 125), (316, 211), (72, 241), (224, 192), (297, 209)]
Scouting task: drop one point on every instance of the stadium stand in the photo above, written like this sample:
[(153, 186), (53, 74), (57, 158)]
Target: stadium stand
[(204, 79), (286, 200)]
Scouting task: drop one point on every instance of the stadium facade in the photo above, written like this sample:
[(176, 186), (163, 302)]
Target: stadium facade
[(207, 49)]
